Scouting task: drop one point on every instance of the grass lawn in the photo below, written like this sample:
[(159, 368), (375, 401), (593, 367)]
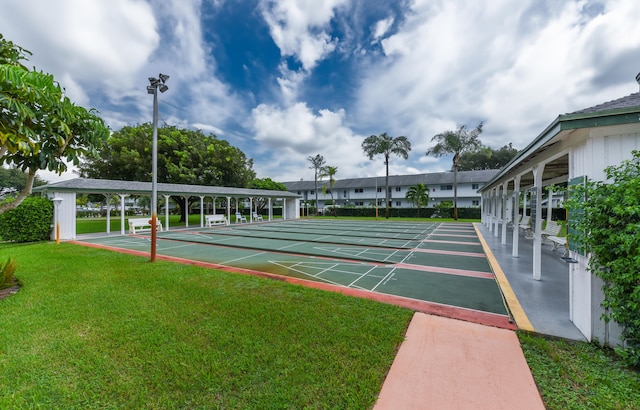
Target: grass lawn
[(97, 329), (580, 375)]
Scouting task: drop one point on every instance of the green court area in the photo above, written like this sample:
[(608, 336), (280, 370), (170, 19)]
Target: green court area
[(441, 264)]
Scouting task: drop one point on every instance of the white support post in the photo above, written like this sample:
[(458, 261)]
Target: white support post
[(516, 212), (537, 237), (166, 211), (201, 211), (503, 200), (270, 210), (186, 211), (122, 212), (496, 233), (549, 203), (108, 196), (250, 209), (228, 210)]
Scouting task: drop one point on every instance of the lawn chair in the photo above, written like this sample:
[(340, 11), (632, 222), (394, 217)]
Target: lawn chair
[(240, 218)]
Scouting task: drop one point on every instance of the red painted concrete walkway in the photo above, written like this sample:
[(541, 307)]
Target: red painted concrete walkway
[(451, 364)]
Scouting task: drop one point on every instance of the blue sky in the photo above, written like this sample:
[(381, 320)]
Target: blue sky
[(285, 80)]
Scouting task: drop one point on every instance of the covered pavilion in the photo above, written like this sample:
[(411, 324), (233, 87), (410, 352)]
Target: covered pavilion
[(66, 191), (573, 147)]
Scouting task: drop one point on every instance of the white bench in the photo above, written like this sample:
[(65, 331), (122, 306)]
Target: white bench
[(240, 217), (524, 223), (218, 219), (551, 229), (256, 216), (142, 224), (557, 241)]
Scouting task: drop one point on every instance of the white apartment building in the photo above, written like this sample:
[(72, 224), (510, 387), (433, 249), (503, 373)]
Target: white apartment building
[(364, 192)]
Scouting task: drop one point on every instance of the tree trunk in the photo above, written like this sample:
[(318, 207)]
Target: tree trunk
[(25, 193)]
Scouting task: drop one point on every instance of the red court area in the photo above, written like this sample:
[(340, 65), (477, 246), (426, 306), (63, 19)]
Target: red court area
[(436, 268)]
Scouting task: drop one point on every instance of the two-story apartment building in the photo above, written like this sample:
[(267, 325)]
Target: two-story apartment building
[(364, 192)]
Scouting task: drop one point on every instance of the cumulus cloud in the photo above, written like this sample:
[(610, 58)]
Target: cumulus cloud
[(442, 69)]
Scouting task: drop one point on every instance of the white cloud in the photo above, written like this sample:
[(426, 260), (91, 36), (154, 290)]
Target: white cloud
[(382, 27), (102, 42), (514, 65)]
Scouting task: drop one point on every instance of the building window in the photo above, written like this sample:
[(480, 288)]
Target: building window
[(475, 202), (398, 189), (345, 194), (312, 192), (299, 193), (398, 204), (379, 189), (475, 186), (359, 190), (359, 203), (446, 187)]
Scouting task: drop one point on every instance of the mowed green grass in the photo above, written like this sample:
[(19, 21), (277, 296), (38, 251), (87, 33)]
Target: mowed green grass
[(96, 329)]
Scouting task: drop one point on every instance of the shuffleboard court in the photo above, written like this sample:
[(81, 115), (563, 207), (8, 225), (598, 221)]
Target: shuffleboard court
[(440, 267)]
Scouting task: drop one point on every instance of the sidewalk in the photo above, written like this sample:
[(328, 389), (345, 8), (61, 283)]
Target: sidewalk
[(450, 364)]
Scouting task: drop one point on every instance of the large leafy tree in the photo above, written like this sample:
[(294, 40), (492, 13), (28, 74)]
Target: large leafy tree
[(456, 143), (486, 158), (15, 180), (40, 128), (330, 171), (418, 195), (316, 164), (265, 183), (184, 157), (386, 145)]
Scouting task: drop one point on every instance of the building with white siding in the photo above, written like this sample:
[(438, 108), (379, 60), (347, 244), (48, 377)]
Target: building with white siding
[(364, 192)]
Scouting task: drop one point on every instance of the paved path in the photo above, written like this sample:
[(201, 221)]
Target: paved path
[(450, 364)]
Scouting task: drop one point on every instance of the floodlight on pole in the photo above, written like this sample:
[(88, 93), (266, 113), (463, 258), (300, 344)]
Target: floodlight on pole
[(156, 83)]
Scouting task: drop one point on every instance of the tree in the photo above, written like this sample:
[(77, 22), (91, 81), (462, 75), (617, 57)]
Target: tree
[(386, 145), (40, 128), (486, 158), (418, 195), (330, 171), (15, 180), (603, 220), (184, 157), (316, 163), (266, 183), (456, 143)]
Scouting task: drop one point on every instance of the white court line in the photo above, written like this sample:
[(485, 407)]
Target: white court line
[(242, 258), (362, 276), (388, 275)]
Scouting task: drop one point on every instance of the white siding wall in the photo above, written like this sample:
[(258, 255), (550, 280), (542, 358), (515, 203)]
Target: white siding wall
[(606, 146)]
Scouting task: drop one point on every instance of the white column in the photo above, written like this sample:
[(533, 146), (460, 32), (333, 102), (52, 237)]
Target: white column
[(498, 212), (549, 203), (122, 211), (284, 208), (166, 211), (108, 196), (270, 209), (516, 212), (201, 211), (504, 213), (250, 209), (186, 211), (537, 238), (228, 210)]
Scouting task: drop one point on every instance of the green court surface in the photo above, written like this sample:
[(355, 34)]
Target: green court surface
[(435, 263)]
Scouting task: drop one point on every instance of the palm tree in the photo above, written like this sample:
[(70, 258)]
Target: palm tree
[(386, 145), (456, 143), (316, 163), (329, 171), (418, 195)]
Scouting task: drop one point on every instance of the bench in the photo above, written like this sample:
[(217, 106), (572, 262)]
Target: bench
[(142, 224), (256, 216), (551, 229), (240, 217), (557, 241), (218, 219)]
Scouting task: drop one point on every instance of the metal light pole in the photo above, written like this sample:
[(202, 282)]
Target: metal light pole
[(156, 84)]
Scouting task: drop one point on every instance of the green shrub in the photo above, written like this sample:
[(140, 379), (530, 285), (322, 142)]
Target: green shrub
[(7, 274), (29, 222)]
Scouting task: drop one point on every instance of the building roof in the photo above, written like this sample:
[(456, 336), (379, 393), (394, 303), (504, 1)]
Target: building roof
[(108, 186), (438, 178), (631, 101)]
